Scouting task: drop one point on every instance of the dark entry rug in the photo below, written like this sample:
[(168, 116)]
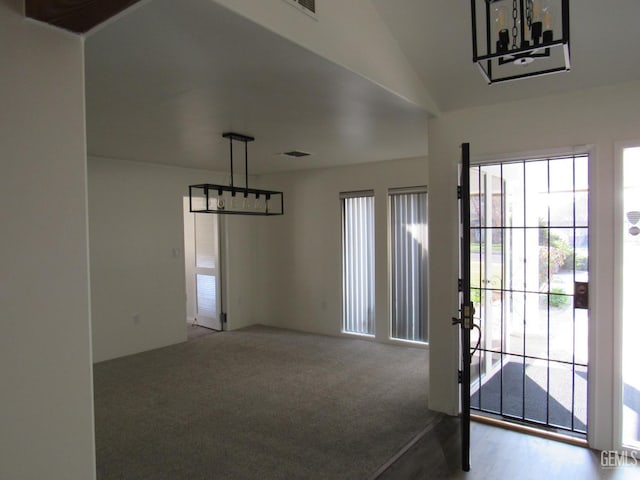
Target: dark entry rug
[(522, 393)]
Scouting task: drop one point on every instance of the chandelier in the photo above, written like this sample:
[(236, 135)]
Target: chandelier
[(232, 200), (514, 39)]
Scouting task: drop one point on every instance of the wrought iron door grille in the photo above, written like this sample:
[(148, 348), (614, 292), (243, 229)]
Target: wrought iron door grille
[(529, 231)]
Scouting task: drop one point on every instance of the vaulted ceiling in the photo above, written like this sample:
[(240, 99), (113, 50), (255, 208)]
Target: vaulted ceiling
[(165, 78), (435, 35)]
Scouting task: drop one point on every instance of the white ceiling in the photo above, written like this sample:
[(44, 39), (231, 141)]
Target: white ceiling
[(164, 81), (435, 35)]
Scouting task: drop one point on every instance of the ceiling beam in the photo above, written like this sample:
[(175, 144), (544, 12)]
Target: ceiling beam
[(78, 16)]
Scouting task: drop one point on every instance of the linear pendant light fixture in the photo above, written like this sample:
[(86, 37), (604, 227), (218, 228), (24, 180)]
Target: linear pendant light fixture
[(520, 38), (232, 200)]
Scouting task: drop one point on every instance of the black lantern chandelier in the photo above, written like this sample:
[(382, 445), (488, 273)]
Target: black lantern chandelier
[(520, 38), (232, 200)]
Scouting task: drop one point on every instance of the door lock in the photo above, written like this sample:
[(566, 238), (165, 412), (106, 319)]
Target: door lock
[(581, 295), (468, 312)]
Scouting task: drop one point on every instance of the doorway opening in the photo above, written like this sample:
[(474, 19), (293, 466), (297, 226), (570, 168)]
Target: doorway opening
[(204, 309), (529, 250)]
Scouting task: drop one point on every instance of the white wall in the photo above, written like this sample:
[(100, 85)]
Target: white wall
[(46, 398), (137, 256), (599, 117), (301, 251), (349, 33)]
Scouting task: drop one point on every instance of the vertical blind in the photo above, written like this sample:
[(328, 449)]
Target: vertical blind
[(358, 266), (408, 223)]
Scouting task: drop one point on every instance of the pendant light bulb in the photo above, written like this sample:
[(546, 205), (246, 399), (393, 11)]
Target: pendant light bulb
[(536, 10), (536, 21), (547, 23), (501, 19)]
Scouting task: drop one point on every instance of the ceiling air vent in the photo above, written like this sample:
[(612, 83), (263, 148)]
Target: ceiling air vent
[(306, 6), (296, 153)]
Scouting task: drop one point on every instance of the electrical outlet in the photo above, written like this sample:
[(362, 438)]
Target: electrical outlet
[(136, 318)]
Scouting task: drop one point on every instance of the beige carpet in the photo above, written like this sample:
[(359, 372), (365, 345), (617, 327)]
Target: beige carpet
[(258, 403)]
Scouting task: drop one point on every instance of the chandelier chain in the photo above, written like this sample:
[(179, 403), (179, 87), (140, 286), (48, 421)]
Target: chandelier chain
[(514, 31)]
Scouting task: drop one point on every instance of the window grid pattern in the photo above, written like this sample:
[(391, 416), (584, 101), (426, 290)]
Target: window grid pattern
[(358, 264), (529, 231)]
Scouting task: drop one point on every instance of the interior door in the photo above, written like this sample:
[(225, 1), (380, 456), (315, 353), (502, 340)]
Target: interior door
[(202, 269)]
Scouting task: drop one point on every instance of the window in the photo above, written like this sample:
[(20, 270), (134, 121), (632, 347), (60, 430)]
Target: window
[(629, 261), (358, 265), (408, 228)]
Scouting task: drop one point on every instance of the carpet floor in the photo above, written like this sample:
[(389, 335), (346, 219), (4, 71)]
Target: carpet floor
[(258, 403)]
